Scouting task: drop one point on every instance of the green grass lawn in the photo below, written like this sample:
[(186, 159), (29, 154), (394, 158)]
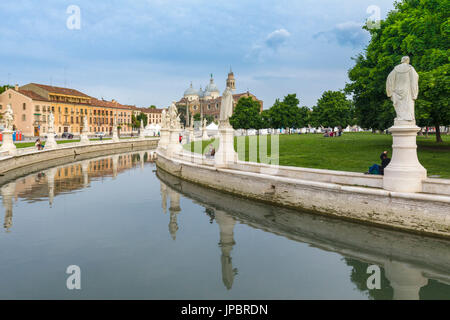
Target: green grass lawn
[(31, 144), (351, 152)]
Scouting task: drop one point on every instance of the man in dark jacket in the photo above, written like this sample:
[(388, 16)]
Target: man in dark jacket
[(384, 161)]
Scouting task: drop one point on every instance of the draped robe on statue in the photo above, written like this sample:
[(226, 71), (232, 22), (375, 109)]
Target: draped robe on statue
[(226, 109), (402, 87)]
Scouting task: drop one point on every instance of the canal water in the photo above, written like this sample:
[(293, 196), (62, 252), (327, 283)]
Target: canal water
[(136, 232)]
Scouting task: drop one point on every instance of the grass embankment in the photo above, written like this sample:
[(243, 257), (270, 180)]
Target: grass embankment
[(354, 152), (31, 144)]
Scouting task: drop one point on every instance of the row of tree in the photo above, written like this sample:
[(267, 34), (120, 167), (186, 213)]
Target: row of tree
[(332, 109), (419, 29)]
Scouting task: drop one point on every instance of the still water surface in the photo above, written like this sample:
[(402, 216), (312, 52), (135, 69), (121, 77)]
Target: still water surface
[(141, 234)]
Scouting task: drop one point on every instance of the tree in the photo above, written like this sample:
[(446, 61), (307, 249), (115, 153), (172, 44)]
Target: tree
[(152, 107), (419, 29), (246, 114), (287, 114), (333, 109), (136, 120), (5, 87)]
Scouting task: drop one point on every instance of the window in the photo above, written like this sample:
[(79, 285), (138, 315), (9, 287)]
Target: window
[(37, 109), (53, 109), (24, 106), (1, 107), (24, 117)]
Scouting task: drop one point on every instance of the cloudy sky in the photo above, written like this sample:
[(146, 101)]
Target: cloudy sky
[(147, 52)]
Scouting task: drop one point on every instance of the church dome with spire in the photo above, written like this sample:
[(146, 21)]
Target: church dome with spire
[(211, 89), (190, 91)]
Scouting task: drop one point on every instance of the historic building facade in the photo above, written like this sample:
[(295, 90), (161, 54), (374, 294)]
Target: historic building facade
[(33, 103), (208, 101)]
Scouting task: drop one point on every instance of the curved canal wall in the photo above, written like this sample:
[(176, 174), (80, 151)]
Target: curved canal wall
[(358, 200), (29, 159)]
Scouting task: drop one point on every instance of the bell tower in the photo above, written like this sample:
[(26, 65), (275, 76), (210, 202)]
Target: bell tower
[(231, 82)]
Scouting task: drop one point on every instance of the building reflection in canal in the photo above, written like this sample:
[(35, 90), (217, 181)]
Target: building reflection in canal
[(412, 266), (49, 183)]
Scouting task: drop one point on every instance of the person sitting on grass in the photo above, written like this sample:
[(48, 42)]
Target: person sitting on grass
[(38, 144), (384, 161), (212, 152)]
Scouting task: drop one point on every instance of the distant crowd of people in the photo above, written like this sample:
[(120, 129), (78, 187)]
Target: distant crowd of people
[(332, 133)]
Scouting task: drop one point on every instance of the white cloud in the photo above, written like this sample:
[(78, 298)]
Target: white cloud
[(277, 38)]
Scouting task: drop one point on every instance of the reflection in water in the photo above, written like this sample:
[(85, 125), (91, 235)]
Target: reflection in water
[(408, 262), (412, 267), (67, 179), (7, 200), (226, 224)]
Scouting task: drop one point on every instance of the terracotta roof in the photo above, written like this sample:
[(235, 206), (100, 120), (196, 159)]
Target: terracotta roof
[(59, 90), (32, 95)]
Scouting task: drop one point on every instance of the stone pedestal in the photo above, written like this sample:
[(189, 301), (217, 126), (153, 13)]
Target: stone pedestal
[(405, 280), (225, 154), (404, 173), (164, 138), (50, 143), (205, 134), (174, 145), (115, 136), (8, 145), (141, 134), (191, 135), (84, 138)]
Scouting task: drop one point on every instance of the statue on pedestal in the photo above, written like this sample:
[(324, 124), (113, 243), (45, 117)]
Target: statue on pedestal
[(175, 122), (85, 124), (226, 108), (51, 123), (8, 117), (404, 173), (402, 86)]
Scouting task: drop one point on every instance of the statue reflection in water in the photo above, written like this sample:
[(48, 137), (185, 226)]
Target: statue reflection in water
[(7, 192), (412, 267), (226, 225)]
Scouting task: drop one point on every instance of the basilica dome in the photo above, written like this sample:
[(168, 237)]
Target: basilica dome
[(211, 87), (190, 91)]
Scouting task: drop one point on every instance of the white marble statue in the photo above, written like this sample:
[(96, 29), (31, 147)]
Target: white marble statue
[(85, 124), (51, 123), (402, 87), (163, 119), (8, 117), (175, 122), (226, 108)]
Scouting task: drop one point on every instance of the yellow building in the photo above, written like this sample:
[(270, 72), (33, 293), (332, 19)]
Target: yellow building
[(33, 103)]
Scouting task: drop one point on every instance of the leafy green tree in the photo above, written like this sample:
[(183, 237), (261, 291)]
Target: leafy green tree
[(246, 114), (333, 109), (197, 117), (182, 112), (136, 120), (152, 107), (265, 119), (303, 117), (286, 113), (209, 118), (5, 87), (419, 29)]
